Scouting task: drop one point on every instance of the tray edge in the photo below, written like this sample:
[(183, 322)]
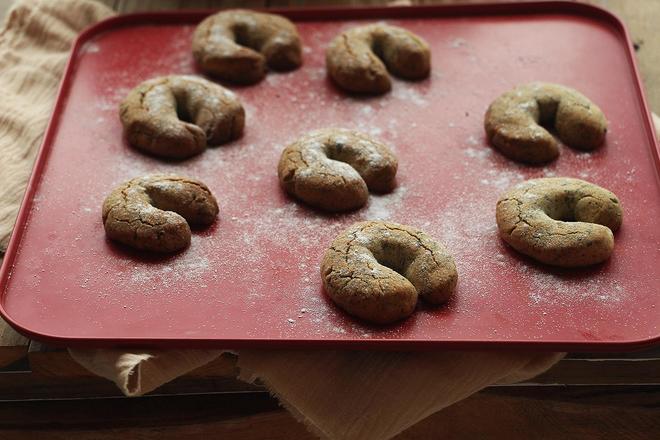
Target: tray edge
[(312, 13)]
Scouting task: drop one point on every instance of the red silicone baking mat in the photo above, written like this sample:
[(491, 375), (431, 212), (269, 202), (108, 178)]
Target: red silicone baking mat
[(252, 280)]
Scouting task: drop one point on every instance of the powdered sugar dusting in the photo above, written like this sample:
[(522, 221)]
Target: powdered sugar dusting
[(551, 289), (457, 42), (382, 207), (408, 93), (255, 272), (187, 267), (90, 47)]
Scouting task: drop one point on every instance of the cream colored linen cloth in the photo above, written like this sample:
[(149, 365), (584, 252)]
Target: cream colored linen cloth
[(337, 394)]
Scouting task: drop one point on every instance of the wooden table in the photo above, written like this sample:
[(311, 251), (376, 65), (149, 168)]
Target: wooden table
[(45, 394)]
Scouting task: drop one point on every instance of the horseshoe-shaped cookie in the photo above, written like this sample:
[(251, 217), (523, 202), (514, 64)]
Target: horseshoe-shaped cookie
[(560, 221), (152, 213), (514, 122), (177, 116), (334, 169), (236, 45), (358, 60), (376, 271)]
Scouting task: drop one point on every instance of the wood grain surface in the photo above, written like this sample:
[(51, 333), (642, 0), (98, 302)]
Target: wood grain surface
[(513, 413)]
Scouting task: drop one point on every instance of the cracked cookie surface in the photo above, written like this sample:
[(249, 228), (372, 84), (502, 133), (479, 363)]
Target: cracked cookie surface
[(359, 59), (376, 271), (334, 169), (236, 45), (153, 212), (177, 116), (560, 221), (514, 122)]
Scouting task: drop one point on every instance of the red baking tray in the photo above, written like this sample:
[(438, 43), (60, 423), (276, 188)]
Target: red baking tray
[(252, 280)]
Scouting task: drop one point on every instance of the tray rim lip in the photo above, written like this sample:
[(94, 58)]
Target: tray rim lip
[(344, 344), (316, 13)]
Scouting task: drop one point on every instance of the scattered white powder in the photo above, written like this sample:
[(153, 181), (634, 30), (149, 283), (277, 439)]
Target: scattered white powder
[(551, 289), (186, 267), (90, 47), (547, 172), (406, 92), (457, 42), (316, 75), (375, 131), (275, 79), (584, 156), (109, 102), (380, 207), (478, 153), (502, 179), (263, 255), (472, 140), (367, 110)]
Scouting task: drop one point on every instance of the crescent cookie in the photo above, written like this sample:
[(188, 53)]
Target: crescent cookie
[(152, 213), (177, 116), (334, 169), (560, 221), (376, 271), (514, 122), (358, 60), (236, 45)]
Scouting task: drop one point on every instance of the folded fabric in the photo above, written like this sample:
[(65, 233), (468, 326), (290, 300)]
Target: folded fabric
[(337, 394), (376, 395), (34, 49), (142, 371)]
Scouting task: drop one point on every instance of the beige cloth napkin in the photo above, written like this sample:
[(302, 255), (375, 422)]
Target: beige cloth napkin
[(337, 394), (347, 395), (34, 48)]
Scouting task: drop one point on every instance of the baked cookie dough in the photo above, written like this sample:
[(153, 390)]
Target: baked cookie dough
[(514, 122), (376, 270), (358, 60), (560, 221), (152, 213), (237, 44), (177, 116), (334, 169)]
